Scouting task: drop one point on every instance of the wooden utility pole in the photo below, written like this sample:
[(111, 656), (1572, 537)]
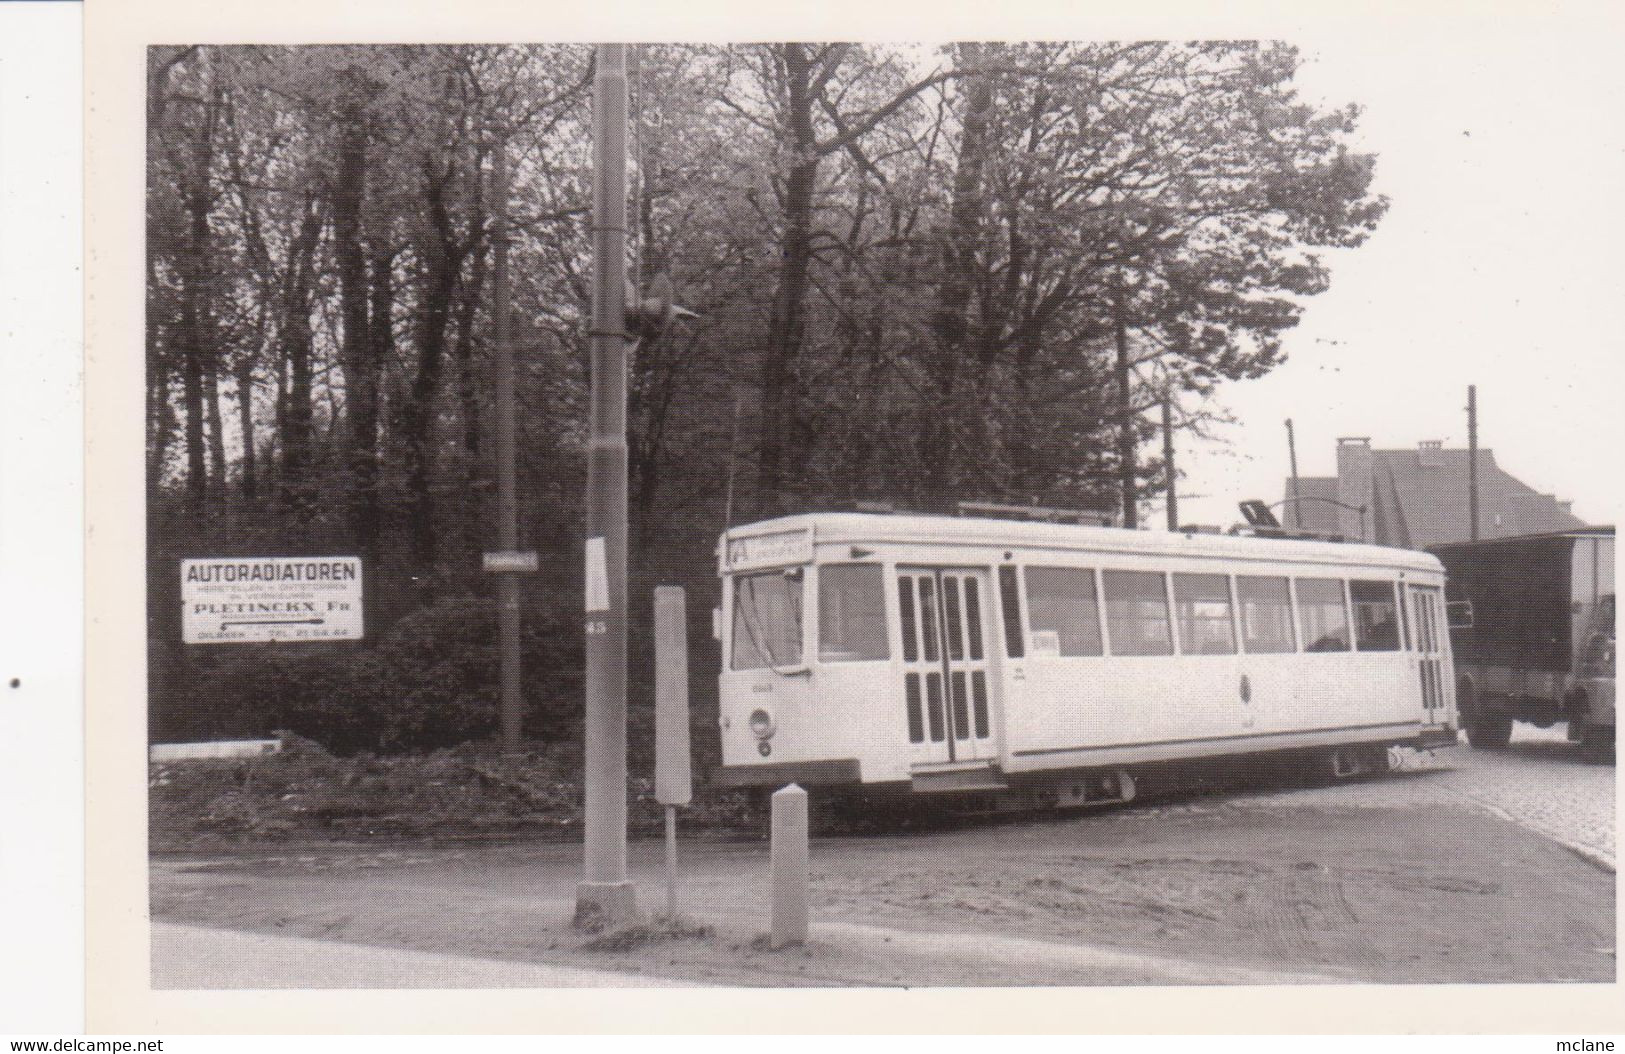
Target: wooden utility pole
[(507, 501), (1126, 439), (1168, 460), (1292, 459), (1472, 461), (605, 894), (733, 444)]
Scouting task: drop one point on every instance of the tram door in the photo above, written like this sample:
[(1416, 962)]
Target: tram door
[(946, 682), (1427, 614)]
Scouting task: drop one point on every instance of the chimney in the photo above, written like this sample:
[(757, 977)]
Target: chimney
[(1430, 453), (1355, 477), (1353, 453)]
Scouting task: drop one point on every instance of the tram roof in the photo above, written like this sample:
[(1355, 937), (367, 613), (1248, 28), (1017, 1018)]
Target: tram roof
[(906, 528)]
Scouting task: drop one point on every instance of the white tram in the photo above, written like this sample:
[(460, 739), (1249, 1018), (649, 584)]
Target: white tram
[(939, 653)]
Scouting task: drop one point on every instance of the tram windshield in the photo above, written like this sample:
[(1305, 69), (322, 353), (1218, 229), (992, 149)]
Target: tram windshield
[(767, 619)]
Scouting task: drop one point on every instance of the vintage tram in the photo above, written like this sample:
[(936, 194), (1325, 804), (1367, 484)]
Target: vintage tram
[(1050, 662)]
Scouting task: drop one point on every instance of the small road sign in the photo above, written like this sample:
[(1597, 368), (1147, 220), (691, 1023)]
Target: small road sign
[(232, 600), (513, 561)]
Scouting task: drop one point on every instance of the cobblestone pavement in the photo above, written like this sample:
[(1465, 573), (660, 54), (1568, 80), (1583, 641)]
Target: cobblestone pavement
[(1540, 781)]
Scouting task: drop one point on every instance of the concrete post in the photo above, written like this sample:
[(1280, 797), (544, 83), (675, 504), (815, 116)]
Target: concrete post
[(606, 894), (790, 871)]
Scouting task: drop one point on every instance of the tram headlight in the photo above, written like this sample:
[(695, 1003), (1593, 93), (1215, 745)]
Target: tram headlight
[(761, 724)]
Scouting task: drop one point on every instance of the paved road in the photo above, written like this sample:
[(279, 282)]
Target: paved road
[(1413, 876), (195, 957), (1540, 782)]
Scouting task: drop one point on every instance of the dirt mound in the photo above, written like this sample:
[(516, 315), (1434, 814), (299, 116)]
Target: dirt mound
[(306, 793)]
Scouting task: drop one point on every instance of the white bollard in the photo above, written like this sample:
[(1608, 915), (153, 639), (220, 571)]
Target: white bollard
[(790, 871)]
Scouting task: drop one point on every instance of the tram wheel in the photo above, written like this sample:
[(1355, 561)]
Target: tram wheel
[(1489, 731)]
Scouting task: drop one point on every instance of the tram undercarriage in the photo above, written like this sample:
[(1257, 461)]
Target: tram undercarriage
[(848, 806)]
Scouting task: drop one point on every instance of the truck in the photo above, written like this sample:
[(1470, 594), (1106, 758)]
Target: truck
[(1531, 623)]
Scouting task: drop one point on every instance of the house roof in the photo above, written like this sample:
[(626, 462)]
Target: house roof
[(1418, 497), (1430, 490)]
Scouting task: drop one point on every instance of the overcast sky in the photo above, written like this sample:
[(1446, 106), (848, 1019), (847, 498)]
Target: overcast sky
[(1497, 265)]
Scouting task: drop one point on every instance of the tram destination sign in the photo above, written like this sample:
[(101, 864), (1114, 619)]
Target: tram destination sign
[(237, 600), (764, 550)]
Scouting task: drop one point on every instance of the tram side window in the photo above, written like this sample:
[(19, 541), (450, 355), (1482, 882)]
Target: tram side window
[(1061, 601), (1323, 614), (767, 620), (1202, 609), (1137, 613), (851, 613), (1376, 618), (1266, 614)]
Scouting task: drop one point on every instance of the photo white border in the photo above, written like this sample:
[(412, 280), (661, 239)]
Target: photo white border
[(119, 999), (41, 517)]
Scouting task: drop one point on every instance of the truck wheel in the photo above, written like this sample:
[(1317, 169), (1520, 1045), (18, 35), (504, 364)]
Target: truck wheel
[(1489, 731), (1597, 744)]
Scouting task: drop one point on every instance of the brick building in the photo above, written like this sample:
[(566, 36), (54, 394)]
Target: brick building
[(1418, 497)]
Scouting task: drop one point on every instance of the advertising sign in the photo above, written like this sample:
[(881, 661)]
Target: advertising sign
[(233, 600)]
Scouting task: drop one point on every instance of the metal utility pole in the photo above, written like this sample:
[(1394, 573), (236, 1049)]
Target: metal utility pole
[(606, 893), (1292, 458), (507, 502), (1168, 459), (1472, 461)]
